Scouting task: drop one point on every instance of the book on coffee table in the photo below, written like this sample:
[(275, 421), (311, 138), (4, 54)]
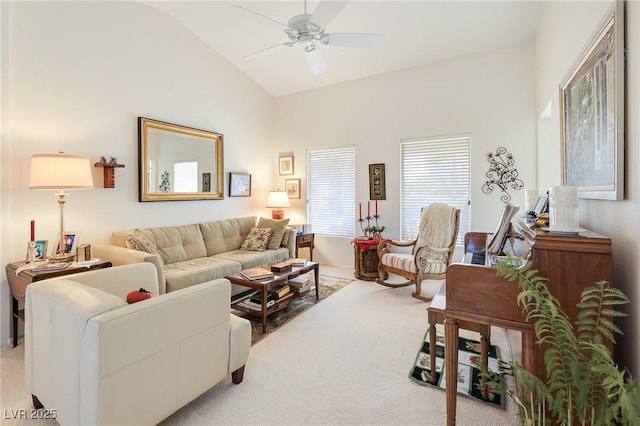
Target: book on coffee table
[(298, 261), (258, 273), (281, 267)]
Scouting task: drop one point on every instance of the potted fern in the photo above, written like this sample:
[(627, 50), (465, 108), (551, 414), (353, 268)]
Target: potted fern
[(584, 385)]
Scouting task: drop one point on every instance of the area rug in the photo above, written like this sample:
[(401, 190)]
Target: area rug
[(328, 286), (469, 374)]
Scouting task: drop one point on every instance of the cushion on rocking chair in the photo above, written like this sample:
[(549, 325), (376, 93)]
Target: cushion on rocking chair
[(405, 262)]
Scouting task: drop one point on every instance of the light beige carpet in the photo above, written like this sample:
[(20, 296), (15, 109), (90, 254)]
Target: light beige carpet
[(342, 362)]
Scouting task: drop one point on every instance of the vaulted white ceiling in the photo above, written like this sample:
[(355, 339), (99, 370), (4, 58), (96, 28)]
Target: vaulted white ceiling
[(417, 32)]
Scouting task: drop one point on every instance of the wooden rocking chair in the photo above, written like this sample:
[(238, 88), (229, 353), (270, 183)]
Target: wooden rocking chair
[(431, 254)]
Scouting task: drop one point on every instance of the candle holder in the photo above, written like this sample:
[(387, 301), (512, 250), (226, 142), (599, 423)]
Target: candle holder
[(372, 230)]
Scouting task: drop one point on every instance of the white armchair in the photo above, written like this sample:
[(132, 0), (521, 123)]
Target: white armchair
[(97, 360)]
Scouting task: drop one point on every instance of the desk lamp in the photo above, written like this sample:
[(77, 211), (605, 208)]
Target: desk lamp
[(277, 200), (60, 172)]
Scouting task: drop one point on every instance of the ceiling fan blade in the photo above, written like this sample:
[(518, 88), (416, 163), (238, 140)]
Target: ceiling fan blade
[(326, 11), (353, 40), (261, 15), (315, 60), (266, 50)]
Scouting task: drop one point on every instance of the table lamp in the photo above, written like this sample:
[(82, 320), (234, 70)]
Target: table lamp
[(60, 172), (277, 200)]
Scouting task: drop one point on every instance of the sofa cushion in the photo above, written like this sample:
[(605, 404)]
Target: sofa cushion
[(195, 271), (179, 243), (278, 226), (252, 259), (257, 239), (227, 234)]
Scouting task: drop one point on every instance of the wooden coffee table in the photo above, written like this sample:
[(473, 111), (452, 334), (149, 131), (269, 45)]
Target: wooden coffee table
[(263, 286)]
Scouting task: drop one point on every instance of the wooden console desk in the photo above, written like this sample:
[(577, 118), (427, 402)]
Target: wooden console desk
[(475, 294)]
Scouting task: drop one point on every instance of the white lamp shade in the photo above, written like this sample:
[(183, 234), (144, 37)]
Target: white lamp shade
[(278, 200), (60, 171)]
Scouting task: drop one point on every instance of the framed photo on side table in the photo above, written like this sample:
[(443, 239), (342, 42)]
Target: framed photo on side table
[(70, 243), (592, 114), (292, 186), (239, 184), (41, 250)]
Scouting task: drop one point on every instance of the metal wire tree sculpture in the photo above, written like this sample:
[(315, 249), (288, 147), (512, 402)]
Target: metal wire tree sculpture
[(502, 174)]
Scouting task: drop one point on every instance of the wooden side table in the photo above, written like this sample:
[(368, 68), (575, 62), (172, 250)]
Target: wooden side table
[(365, 259), (305, 240), (19, 282)]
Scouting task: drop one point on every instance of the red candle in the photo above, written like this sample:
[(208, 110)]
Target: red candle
[(368, 208), (33, 230), (376, 207), (360, 205)]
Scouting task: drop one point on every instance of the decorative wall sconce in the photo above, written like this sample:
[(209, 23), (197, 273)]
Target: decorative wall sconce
[(502, 174), (109, 172)]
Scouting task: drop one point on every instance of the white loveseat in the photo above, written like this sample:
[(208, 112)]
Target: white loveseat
[(97, 360)]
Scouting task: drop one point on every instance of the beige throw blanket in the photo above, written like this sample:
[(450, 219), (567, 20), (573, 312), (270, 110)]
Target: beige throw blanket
[(436, 226)]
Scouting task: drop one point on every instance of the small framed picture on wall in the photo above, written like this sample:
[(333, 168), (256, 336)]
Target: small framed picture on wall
[(286, 165), (292, 186), (239, 184)]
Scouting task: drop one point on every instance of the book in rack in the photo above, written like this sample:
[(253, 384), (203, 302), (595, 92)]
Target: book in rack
[(258, 273), (299, 284), (280, 291)]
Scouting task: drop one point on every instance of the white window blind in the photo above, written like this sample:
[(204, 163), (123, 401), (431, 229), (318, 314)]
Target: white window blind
[(434, 170), (331, 189)]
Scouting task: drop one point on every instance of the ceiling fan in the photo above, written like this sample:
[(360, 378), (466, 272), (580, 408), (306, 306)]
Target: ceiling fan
[(308, 31)]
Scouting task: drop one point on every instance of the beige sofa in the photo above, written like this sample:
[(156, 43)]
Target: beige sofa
[(93, 359), (191, 254)]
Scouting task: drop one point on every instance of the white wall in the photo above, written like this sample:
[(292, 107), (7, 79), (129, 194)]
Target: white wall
[(490, 96), (80, 74), (564, 29)]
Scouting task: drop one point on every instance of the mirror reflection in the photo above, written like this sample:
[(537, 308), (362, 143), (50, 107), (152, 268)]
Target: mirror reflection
[(178, 162)]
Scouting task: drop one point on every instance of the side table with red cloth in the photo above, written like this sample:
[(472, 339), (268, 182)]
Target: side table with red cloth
[(366, 260)]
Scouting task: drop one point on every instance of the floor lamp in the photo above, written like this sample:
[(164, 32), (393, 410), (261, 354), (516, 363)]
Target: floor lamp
[(278, 200), (60, 172)]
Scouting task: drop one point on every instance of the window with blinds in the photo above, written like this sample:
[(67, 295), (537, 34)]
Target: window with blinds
[(434, 170), (331, 191)]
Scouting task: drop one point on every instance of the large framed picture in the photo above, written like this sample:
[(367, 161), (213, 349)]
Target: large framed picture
[(592, 114), (239, 184), (376, 182)]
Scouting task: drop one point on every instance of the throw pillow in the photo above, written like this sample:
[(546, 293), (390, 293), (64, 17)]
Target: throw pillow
[(257, 239), (137, 241), (137, 295), (285, 237), (278, 227)]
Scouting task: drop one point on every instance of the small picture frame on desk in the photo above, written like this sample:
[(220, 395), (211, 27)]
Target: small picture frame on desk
[(40, 250), (70, 243)]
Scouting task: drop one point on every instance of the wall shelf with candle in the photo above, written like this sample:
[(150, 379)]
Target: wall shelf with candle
[(109, 172)]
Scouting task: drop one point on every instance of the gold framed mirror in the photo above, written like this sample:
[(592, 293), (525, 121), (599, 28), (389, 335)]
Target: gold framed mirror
[(178, 163)]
